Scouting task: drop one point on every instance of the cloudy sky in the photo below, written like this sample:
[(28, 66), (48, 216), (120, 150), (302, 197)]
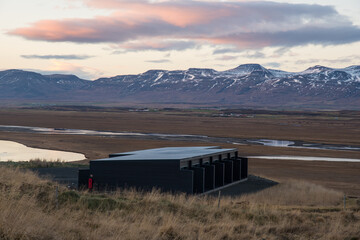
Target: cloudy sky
[(99, 38)]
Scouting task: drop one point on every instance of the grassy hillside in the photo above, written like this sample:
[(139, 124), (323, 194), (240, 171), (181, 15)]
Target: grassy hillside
[(29, 210)]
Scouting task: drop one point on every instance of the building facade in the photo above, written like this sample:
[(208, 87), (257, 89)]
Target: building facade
[(192, 170)]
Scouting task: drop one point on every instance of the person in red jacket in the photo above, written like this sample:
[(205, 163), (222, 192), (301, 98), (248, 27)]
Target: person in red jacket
[(91, 183)]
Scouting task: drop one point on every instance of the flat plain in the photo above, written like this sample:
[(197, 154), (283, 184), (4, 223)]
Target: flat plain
[(331, 127)]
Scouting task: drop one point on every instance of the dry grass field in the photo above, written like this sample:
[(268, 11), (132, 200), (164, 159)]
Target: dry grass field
[(292, 210), (328, 127), (324, 127)]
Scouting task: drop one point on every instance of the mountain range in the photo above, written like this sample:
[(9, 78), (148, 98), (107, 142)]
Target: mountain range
[(248, 85)]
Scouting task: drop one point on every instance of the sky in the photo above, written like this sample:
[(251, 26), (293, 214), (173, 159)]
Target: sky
[(103, 38)]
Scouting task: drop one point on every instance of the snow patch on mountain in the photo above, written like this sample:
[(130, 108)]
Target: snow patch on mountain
[(245, 69)]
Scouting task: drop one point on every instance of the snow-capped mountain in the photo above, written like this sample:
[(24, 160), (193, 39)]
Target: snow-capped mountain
[(354, 71), (245, 85)]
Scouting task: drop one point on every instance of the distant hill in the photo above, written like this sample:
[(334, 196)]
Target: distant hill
[(249, 85)]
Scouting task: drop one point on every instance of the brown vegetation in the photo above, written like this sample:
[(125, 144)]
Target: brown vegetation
[(28, 210), (336, 127), (331, 127)]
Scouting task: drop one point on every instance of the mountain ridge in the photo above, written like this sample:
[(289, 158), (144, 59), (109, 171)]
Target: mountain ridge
[(247, 85)]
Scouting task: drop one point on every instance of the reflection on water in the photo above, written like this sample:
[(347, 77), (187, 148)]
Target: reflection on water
[(181, 137), (273, 143), (88, 132), (302, 158), (13, 151)]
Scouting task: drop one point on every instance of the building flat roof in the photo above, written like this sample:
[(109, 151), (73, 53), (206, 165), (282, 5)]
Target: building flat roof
[(168, 153)]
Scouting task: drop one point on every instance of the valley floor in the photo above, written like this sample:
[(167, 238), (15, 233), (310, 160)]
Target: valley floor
[(321, 127)]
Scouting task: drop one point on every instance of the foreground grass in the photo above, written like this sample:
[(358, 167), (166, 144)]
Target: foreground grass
[(29, 210)]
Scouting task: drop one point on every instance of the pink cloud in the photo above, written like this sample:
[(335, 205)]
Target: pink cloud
[(143, 25), (179, 13), (53, 30)]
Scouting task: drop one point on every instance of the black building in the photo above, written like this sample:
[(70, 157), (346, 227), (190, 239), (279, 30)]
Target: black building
[(176, 169)]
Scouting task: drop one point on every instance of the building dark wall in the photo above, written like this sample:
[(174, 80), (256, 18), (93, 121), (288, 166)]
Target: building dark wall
[(194, 177), (209, 176), (144, 175), (228, 171), (219, 174), (199, 179), (83, 178), (236, 169), (244, 168)]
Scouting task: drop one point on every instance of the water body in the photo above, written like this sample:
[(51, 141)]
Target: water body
[(181, 137), (302, 158), (274, 143), (13, 151)]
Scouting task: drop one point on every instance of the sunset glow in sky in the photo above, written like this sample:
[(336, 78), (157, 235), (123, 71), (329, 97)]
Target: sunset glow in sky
[(100, 38)]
